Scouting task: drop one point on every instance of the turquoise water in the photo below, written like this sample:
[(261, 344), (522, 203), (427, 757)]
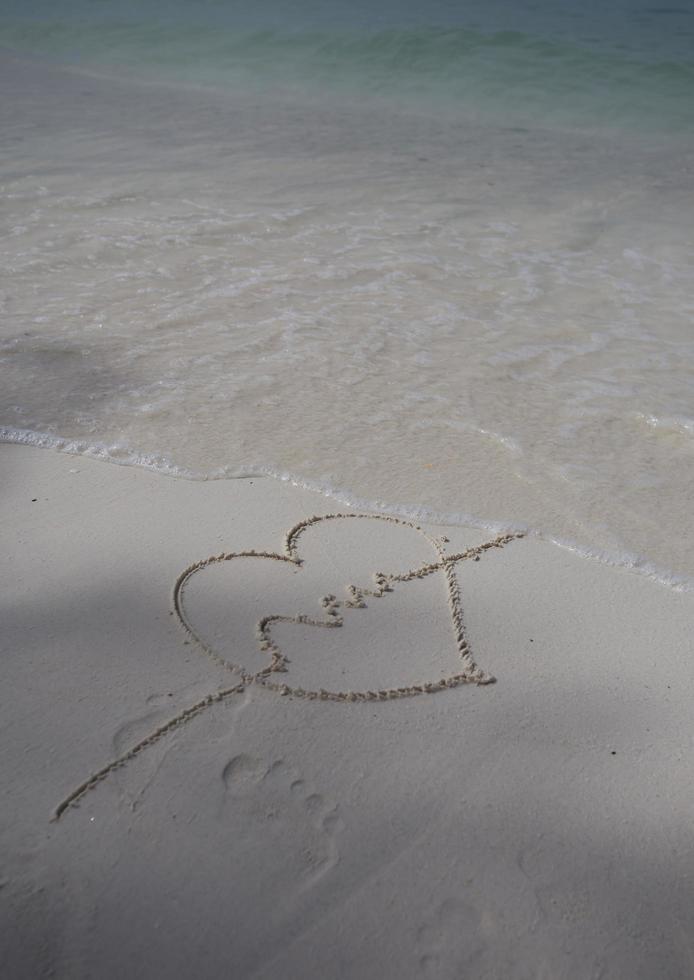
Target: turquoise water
[(625, 64)]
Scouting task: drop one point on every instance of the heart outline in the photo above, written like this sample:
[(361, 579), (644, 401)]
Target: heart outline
[(470, 674)]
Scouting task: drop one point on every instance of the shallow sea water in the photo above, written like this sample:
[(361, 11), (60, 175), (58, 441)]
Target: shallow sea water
[(445, 309)]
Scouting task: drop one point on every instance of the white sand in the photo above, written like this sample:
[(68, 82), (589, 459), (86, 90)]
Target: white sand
[(538, 827)]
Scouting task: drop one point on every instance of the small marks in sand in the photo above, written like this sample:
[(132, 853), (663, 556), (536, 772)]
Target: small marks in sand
[(335, 611), (439, 939), (281, 806)]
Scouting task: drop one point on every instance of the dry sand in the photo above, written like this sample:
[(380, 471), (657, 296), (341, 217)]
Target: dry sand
[(391, 826)]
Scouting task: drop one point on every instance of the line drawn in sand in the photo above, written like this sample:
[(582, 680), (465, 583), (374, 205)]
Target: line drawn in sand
[(383, 583)]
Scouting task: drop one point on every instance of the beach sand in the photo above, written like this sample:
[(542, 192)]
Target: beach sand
[(536, 827)]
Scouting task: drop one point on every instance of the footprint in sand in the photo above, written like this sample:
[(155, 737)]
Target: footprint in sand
[(450, 941), (296, 823)]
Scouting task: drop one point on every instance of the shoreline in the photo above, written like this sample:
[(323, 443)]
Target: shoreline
[(539, 823), (163, 466)]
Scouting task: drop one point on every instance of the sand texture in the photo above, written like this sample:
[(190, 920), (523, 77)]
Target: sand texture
[(249, 733)]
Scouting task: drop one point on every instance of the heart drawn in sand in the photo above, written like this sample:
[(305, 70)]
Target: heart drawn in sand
[(245, 618), (252, 621)]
